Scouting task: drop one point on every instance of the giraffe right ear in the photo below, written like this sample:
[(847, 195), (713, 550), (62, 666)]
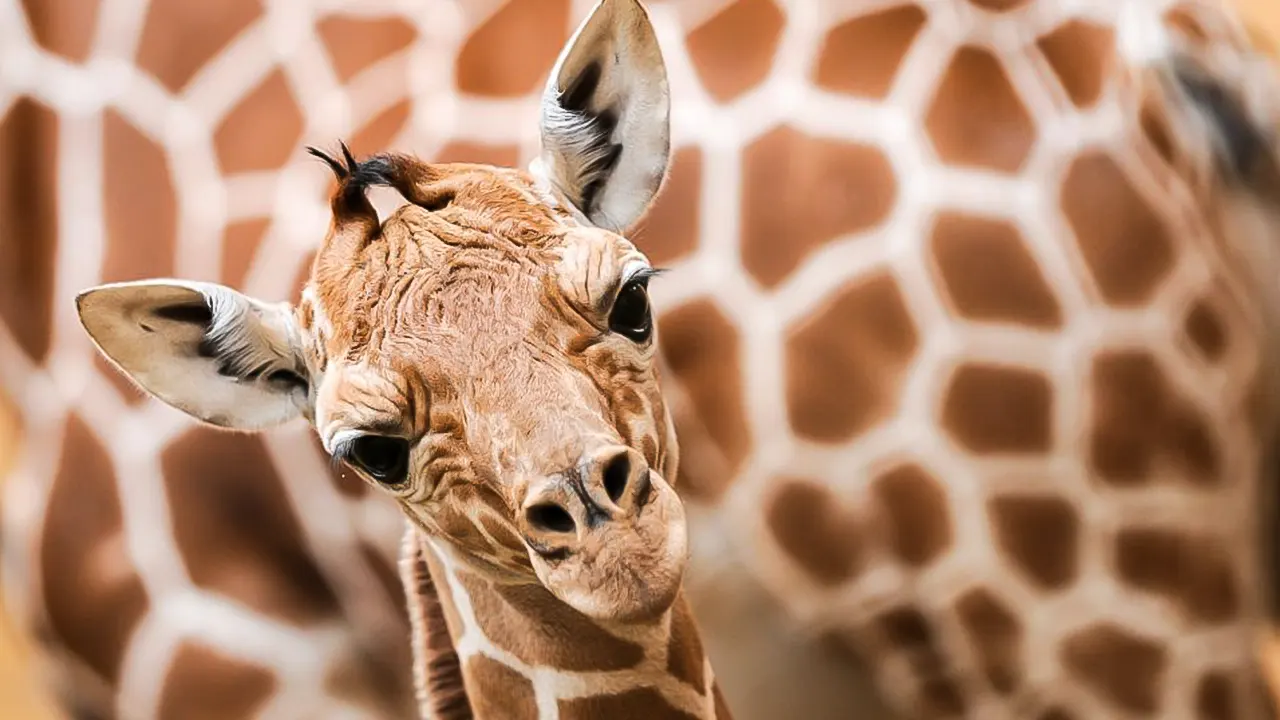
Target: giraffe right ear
[(207, 350), (605, 123)]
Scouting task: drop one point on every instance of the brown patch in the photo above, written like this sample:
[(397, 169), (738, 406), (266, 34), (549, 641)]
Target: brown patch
[(260, 133), (999, 5), (181, 37), (1184, 20), (988, 274), (203, 684), (670, 228), (531, 624), (703, 353), (906, 630), (235, 528), (919, 521), (861, 56), (512, 52), (733, 50), (497, 691), (353, 678), (1156, 129), (474, 152), (1122, 668), (801, 192), (990, 409), (996, 635), (815, 528), (722, 707), (140, 204), (684, 653), (455, 523), (1125, 244), (12, 435), (942, 697), (1256, 407), (1194, 572), (457, 526), (28, 223), (63, 27), (1138, 420), (847, 361), (1080, 52), (355, 43), (1039, 535), (644, 703), (444, 594), (996, 133), (93, 596), (387, 575), (130, 393), (502, 534), (380, 131), (1055, 713), (1205, 328), (240, 243), (1214, 698)]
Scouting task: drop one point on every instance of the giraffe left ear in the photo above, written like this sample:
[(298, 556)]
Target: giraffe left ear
[(217, 355), (605, 123)]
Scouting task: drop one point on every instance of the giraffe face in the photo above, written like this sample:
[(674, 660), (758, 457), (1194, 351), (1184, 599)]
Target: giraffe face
[(485, 354), (491, 365)]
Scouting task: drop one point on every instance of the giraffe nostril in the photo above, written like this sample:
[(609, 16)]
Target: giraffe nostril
[(551, 518), (617, 471)]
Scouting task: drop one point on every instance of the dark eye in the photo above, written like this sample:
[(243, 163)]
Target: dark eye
[(385, 459), (630, 315)]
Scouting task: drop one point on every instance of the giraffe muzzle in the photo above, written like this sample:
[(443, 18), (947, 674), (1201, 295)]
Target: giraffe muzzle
[(611, 485), (608, 536)]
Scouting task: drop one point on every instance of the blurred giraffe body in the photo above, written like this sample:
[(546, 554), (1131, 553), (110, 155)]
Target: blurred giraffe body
[(963, 325)]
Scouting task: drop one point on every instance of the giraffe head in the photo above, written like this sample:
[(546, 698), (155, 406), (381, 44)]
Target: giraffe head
[(485, 354)]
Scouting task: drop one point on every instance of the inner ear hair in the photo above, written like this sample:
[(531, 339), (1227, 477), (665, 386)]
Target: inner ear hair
[(228, 338), (584, 134)]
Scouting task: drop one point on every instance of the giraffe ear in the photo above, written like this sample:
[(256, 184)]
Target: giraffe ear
[(207, 350), (605, 122)]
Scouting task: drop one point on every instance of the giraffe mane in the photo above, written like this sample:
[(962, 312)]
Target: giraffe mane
[(437, 672)]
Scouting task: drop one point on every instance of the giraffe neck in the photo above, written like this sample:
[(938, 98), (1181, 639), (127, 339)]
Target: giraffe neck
[(523, 653)]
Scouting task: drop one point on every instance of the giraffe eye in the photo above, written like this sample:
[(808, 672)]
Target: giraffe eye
[(630, 315), (385, 459)]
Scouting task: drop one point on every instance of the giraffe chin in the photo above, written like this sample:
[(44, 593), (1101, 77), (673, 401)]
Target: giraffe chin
[(627, 571)]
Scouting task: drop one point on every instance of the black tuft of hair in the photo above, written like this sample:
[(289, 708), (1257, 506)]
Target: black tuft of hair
[(355, 177), (338, 169)]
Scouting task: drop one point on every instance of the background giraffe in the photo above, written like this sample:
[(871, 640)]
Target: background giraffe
[(127, 130)]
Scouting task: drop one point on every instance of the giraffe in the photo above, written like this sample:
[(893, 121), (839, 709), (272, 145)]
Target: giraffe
[(963, 428), (486, 357)]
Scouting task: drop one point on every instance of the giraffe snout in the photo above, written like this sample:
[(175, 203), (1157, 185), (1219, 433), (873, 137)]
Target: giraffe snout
[(607, 486)]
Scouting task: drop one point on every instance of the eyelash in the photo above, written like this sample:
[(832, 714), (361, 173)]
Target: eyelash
[(642, 275)]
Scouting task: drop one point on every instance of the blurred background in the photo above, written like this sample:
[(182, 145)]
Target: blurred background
[(195, 188)]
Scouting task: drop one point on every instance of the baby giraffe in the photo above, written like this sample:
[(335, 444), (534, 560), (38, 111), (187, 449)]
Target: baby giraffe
[(486, 356)]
